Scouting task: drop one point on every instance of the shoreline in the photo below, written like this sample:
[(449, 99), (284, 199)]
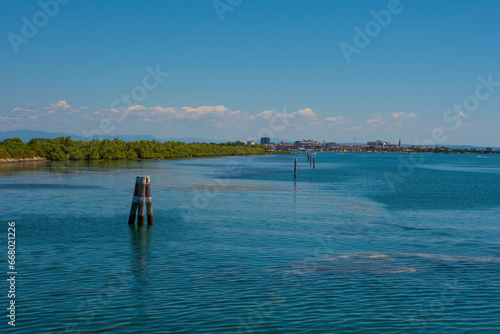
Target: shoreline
[(38, 159), (12, 160), (370, 152)]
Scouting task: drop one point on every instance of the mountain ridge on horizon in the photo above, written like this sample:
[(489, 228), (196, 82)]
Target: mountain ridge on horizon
[(26, 135)]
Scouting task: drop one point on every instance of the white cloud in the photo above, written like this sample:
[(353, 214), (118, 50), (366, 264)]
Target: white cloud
[(403, 115), (307, 112), (190, 113), (374, 122), (12, 122), (136, 108), (61, 105), (15, 110), (384, 121), (217, 116), (76, 110), (337, 120), (266, 114)]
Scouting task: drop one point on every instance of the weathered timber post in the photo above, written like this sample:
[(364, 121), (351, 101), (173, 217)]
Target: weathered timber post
[(295, 170), (142, 197), (149, 203), (133, 209), (314, 162), (141, 210)]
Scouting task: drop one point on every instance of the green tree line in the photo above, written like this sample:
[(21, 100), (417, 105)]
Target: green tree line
[(64, 148)]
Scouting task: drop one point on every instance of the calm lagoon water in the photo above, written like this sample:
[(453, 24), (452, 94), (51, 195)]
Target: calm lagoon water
[(364, 243)]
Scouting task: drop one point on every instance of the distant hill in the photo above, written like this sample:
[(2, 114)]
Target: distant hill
[(466, 147), (26, 135)]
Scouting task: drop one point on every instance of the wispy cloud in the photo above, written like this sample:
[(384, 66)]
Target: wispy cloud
[(202, 112), (380, 121), (214, 116), (159, 114), (374, 122), (62, 105), (403, 115), (10, 122), (21, 110), (337, 120)]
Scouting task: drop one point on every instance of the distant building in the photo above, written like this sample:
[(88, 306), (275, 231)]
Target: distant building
[(306, 144), (332, 146), (265, 140), (378, 143), (287, 147), (251, 143)]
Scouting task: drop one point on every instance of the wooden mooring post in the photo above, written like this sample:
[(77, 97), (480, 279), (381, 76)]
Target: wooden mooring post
[(149, 202), (295, 170), (314, 162), (141, 199)]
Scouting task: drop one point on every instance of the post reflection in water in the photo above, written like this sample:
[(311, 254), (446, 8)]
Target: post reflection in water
[(141, 239), (294, 196)]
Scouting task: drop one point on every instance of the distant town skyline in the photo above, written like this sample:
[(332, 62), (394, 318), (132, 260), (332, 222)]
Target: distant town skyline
[(423, 71)]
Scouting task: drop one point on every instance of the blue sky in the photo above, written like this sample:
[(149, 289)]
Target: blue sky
[(274, 68)]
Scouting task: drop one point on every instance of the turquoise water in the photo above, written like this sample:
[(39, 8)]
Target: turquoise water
[(363, 243)]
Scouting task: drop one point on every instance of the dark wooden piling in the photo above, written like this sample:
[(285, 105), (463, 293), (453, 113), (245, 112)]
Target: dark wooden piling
[(141, 199), (314, 162), (149, 202), (133, 209), (141, 210), (295, 170)]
